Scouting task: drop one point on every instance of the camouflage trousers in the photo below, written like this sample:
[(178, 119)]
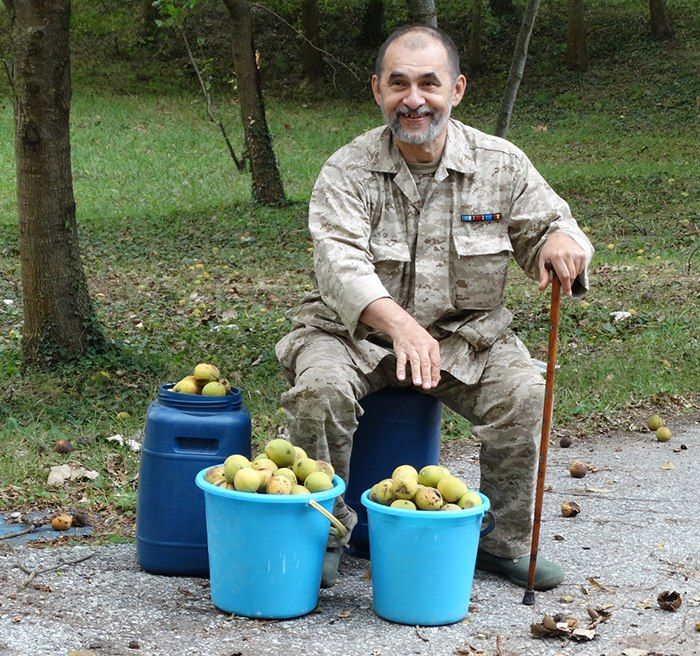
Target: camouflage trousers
[(504, 408)]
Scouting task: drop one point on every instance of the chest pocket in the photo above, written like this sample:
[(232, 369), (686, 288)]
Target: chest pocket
[(479, 265), (390, 259)]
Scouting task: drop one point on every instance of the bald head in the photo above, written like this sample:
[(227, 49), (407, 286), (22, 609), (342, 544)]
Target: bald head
[(418, 37)]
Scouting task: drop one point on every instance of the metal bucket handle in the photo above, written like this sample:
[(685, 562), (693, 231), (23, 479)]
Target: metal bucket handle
[(337, 527), (491, 524)]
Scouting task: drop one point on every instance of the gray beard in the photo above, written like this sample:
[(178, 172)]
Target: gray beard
[(438, 121)]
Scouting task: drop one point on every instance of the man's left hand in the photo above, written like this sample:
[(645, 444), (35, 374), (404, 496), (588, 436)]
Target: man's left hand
[(563, 255)]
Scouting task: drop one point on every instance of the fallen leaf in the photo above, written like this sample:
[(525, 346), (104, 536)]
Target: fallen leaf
[(597, 489), (668, 466), (633, 651), (566, 599), (669, 600), (59, 474), (344, 614), (600, 586), (583, 634)]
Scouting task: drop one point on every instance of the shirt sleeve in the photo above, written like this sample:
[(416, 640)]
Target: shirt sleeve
[(340, 226), (536, 212)]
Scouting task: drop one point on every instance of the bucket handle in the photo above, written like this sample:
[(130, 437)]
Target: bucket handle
[(491, 524), (337, 528)]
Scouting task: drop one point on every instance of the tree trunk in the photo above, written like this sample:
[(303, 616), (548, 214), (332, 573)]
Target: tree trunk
[(59, 319), (475, 38), (422, 11), (373, 31), (661, 26), (576, 55), (310, 56), (267, 184), (517, 66), (502, 7), (148, 19)]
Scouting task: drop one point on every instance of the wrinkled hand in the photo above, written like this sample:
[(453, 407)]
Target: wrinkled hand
[(413, 345), (565, 256)]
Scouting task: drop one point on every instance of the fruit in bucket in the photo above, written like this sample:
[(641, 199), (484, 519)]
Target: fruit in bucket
[(318, 482), (303, 467), (405, 470), (451, 488), (264, 463), (265, 477), (232, 464), (431, 474), (428, 498), (469, 499), (247, 480), (279, 485), (383, 492), (326, 467), (287, 473), (281, 452), (404, 486), (450, 506), (215, 475), (403, 504)]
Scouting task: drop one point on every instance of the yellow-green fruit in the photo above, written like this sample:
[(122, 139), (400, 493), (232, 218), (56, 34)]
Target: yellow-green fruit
[(264, 463), (232, 464), (288, 474), (428, 498), (205, 373), (247, 480), (215, 475), (405, 470), (469, 499), (326, 467), (265, 478), (655, 422), (279, 485), (186, 386), (451, 488), (299, 453), (226, 384), (450, 506), (299, 489), (281, 452), (383, 492), (215, 388), (663, 434), (431, 474), (122, 416), (318, 481), (227, 486), (303, 467), (404, 486), (403, 504)]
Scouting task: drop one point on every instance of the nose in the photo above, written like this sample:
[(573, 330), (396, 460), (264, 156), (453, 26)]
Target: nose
[(414, 98)]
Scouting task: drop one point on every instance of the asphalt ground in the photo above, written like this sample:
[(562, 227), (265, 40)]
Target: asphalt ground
[(637, 535)]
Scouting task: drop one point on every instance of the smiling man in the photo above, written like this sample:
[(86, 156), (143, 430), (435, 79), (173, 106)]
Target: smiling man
[(414, 224)]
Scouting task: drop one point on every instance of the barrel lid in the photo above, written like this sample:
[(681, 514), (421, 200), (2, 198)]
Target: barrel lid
[(232, 401)]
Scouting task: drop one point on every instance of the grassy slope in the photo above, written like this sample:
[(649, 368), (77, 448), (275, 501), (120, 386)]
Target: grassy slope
[(171, 242)]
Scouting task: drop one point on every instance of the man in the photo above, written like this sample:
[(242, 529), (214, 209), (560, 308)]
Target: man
[(413, 226)]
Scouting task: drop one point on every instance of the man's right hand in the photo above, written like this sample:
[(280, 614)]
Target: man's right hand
[(413, 344)]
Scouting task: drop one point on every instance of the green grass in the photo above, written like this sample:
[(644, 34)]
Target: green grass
[(171, 242)]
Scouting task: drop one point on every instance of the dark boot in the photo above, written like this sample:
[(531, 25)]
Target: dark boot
[(331, 562), (548, 574)]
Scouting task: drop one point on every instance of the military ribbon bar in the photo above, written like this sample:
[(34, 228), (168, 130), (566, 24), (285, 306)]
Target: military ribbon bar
[(469, 218)]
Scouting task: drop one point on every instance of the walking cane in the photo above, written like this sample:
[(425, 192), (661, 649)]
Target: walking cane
[(529, 598)]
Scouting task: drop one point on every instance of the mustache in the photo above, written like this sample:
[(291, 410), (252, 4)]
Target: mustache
[(423, 110)]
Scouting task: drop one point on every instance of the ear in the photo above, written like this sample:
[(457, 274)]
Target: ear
[(458, 90), (376, 91)]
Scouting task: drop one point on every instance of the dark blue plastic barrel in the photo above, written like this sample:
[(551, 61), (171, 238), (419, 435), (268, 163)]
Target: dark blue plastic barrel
[(398, 427), (184, 434)]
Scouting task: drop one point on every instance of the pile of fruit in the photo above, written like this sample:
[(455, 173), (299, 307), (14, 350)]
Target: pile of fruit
[(205, 380), (431, 488), (280, 469), (655, 423)]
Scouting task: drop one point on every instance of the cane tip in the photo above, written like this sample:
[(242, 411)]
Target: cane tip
[(529, 598)]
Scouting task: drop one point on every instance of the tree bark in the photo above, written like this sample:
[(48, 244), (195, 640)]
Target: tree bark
[(373, 31), (576, 55), (59, 319), (310, 56), (148, 19), (475, 62), (661, 26), (517, 66), (267, 184), (422, 11)]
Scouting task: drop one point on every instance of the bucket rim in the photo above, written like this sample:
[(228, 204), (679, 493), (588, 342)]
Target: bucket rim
[(431, 515), (337, 489)]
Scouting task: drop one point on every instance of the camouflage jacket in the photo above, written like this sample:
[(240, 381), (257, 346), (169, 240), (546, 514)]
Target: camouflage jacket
[(445, 260)]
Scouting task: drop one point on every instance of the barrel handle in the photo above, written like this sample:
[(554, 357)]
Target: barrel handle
[(490, 526), (337, 528)]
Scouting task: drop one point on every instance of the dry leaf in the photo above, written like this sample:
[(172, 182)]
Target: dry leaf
[(344, 614), (668, 466), (583, 634), (633, 651), (669, 600), (597, 489), (59, 474), (600, 586)]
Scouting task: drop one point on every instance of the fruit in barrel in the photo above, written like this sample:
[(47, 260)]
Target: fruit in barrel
[(469, 499), (215, 388), (451, 488), (279, 485), (215, 475), (318, 481), (247, 480), (430, 475), (404, 486), (403, 504), (655, 422), (281, 452), (232, 464), (428, 498), (383, 492), (206, 373), (187, 385), (303, 467)]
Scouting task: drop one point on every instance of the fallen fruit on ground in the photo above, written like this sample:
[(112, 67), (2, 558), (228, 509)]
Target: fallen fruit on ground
[(663, 434), (63, 446), (655, 422), (62, 522), (570, 509), (578, 469)]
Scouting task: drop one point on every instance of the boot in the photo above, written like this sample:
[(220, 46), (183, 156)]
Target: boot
[(548, 574), (331, 561)]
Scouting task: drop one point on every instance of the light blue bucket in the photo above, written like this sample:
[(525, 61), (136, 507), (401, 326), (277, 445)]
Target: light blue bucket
[(423, 561), (266, 551)]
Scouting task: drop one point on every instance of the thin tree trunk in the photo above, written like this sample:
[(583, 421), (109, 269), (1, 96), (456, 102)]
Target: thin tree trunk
[(59, 319), (661, 26), (576, 55), (475, 62), (310, 56), (267, 184), (148, 19), (373, 31), (422, 11), (517, 66)]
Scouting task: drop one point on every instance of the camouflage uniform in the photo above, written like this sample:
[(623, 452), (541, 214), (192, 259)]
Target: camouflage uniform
[(376, 236)]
